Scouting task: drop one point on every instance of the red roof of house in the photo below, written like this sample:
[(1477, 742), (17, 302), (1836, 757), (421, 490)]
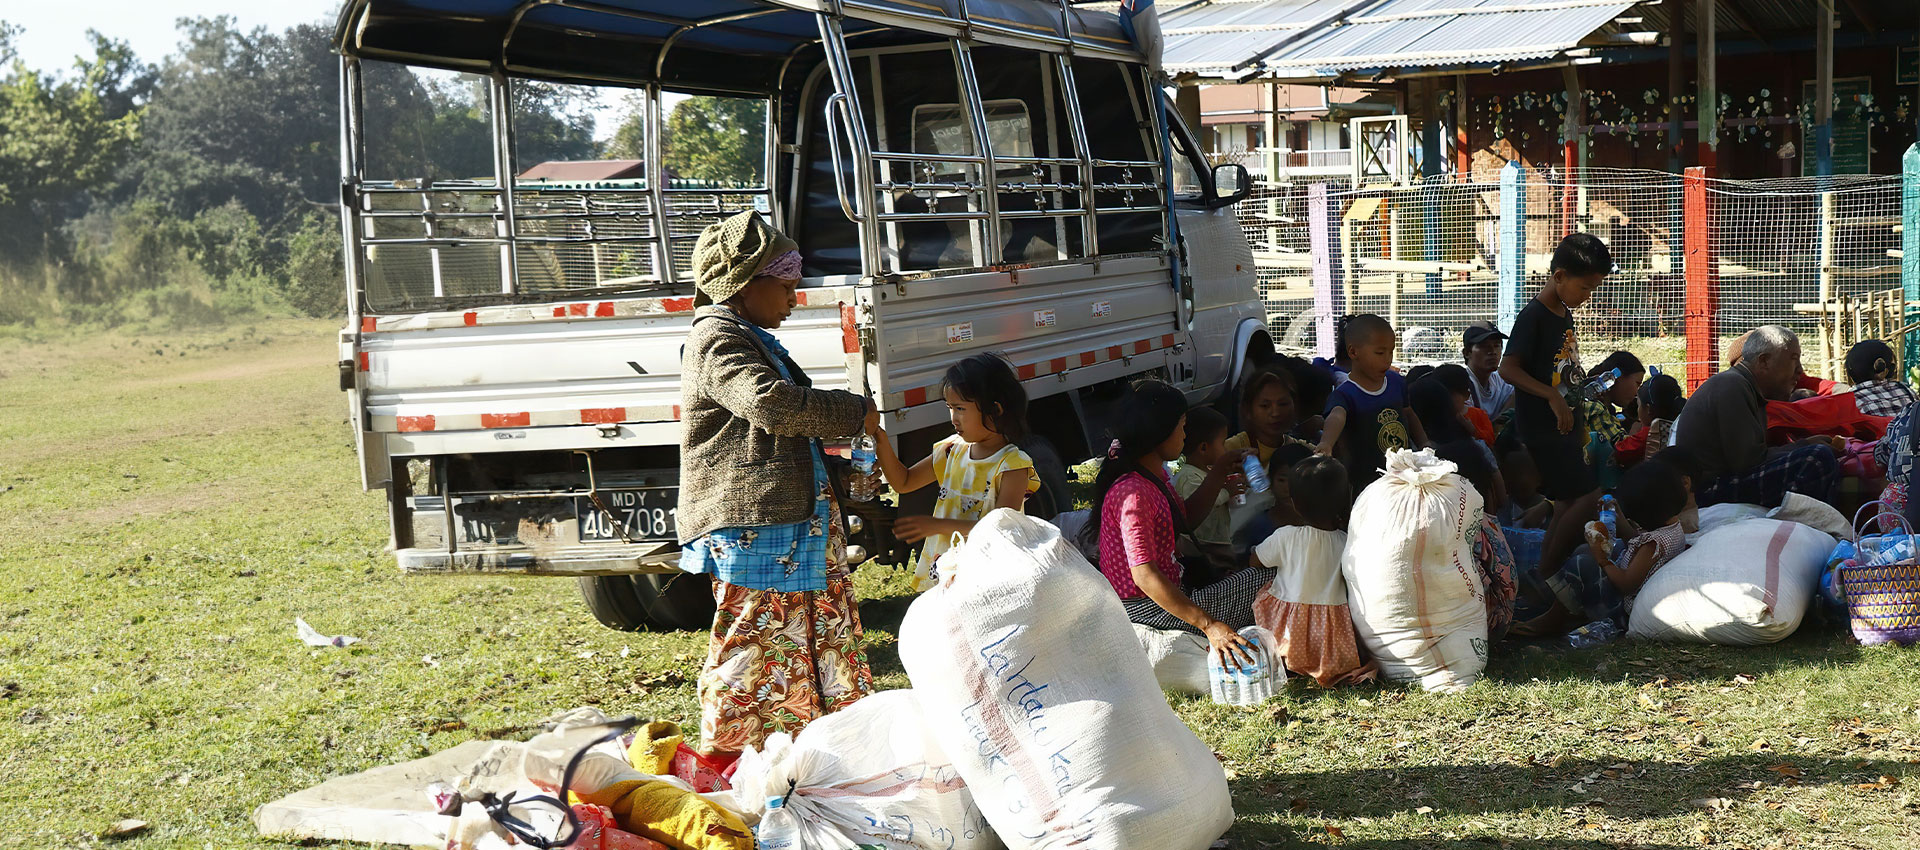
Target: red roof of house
[(586, 169)]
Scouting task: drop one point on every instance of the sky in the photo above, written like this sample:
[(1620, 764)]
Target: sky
[(56, 32)]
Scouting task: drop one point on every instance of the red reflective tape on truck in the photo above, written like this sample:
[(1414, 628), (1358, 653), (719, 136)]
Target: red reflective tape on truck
[(505, 420), (604, 308), (676, 413), (1166, 340), (602, 415), (1026, 372), (676, 305), (916, 396), (413, 423), (1057, 364), (470, 318), (368, 323), (577, 309), (559, 312), (1088, 358), (849, 334), (1143, 346), (363, 361), (1114, 352)]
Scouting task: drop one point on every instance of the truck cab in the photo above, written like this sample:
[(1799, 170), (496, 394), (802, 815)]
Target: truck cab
[(961, 175)]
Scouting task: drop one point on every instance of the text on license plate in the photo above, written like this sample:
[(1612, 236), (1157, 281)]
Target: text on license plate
[(629, 515)]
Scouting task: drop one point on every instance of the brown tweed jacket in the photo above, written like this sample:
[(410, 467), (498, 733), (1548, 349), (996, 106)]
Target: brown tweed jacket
[(744, 454)]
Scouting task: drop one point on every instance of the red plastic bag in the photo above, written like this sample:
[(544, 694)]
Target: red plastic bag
[(1837, 415), (599, 831), (705, 773)]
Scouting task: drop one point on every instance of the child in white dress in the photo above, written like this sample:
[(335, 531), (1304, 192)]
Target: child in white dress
[(1305, 606)]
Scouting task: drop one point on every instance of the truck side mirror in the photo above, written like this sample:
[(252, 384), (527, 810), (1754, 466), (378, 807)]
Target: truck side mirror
[(1231, 185)]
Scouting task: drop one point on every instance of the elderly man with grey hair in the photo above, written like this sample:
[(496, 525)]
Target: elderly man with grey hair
[(1725, 428)]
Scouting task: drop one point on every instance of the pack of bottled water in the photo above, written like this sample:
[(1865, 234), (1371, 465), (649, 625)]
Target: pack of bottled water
[(1248, 684)]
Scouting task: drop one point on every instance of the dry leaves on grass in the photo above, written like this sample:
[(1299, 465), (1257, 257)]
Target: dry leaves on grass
[(1880, 784)]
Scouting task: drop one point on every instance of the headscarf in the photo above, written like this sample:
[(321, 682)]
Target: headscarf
[(734, 250)]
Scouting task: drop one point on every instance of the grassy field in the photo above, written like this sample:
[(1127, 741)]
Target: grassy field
[(170, 503)]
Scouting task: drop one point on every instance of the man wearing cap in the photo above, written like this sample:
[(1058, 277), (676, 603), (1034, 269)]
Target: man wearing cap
[(1480, 348), (757, 511)]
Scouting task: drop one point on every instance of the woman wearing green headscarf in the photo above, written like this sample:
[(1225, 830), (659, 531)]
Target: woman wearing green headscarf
[(757, 511)]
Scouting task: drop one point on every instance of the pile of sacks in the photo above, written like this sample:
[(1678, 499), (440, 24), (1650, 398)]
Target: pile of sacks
[(1034, 723), (1418, 601)]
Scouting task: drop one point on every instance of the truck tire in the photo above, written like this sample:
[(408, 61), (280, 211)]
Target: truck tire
[(656, 601)]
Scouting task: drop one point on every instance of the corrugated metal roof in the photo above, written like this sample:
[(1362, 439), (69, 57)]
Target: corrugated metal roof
[(1227, 38), (586, 169)]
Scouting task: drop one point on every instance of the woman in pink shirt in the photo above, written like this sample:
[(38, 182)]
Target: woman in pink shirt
[(1137, 519)]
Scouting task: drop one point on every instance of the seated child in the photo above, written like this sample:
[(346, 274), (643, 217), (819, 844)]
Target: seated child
[(1456, 378), (1490, 551), (1592, 585), (1877, 389), (1311, 387), (978, 468), (1442, 412), (1205, 450), (1267, 411), (1659, 406), (1274, 509), (1305, 606), (1368, 415), (1525, 507), (1689, 468), (1895, 453)]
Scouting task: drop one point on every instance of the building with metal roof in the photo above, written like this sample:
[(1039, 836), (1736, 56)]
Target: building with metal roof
[(1750, 87)]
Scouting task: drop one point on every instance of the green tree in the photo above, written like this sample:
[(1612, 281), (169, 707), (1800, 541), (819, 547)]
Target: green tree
[(719, 139), (60, 137)]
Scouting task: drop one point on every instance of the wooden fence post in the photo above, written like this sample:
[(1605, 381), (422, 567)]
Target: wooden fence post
[(1328, 304), (1703, 341), (1512, 259)]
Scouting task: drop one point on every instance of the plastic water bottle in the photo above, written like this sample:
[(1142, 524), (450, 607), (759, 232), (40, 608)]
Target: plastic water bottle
[(1609, 513), (779, 828), (1596, 633), (1598, 385), (1256, 474), (860, 485), (1248, 684)]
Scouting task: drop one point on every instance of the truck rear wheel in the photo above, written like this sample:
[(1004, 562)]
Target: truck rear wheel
[(659, 601)]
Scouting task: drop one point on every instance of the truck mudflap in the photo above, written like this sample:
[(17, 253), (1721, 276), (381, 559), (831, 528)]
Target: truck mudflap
[(586, 559)]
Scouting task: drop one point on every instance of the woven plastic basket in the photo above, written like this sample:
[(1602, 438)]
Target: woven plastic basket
[(1883, 600)]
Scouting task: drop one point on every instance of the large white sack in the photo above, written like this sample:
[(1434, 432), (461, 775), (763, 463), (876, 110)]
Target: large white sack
[(1742, 584), (1179, 659), (867, 775), (1811, 512), (1030, 677), (1724, 514), (1414, 589)]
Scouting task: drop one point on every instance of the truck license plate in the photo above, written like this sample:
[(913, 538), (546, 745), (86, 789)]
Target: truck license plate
[(629, 515)]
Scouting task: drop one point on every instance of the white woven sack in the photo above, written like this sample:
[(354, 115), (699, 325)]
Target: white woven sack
[(1743, 584), (1030, 677), (1416, 595), (867, 775), (1179, 659)]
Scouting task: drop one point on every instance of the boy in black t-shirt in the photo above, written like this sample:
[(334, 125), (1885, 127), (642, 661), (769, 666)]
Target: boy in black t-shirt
[(1543, 365)]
